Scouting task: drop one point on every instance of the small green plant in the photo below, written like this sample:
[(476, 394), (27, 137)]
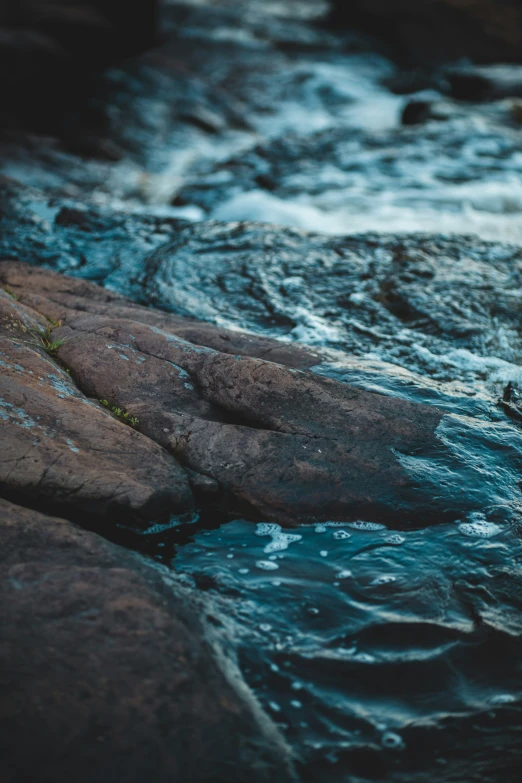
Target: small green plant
[(45, 337), (122, 415), (9, 290)]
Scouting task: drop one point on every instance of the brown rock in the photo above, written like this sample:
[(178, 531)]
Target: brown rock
[(282, 444), (57, 296), (108, 672), (63, 451), (266, 440)]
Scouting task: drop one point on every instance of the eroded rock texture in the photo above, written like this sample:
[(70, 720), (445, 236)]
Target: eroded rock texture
[(63, 451), (108, 672), (268, 440)]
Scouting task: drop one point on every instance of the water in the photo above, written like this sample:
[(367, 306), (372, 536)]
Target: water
[(384, 654)]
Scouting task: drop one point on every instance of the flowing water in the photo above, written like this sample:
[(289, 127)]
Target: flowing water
[(384, 654)]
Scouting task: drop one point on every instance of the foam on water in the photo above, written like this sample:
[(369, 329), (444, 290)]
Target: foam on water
[(280, 541), (442, 213), (489, 368), (267, 565), (366, 526), (478, 526)]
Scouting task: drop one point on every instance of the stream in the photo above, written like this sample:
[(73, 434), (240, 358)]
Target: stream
[(384, 654)]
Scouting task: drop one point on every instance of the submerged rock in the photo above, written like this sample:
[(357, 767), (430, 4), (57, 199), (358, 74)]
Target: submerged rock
[(109, 671)]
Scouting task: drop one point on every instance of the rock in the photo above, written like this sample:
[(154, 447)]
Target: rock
[(351, 293), (91, 31), (356, 293), (56, 296), (418, 110), (63, 452), (275, 443), (53, 50), (486, 83), (137, 116), (436, 30), (109, 670)]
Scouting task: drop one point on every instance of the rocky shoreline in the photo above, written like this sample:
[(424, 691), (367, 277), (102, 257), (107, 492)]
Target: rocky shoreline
[(165, 358)]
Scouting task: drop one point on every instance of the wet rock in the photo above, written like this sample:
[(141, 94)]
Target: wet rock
[(244, 423), (57, 297), (419, 110), (269, 441), (54, 51), (208, 85), (89, 30), (61, 451), (427, 30), (421, 302), (486, 83), (406, 299), (281, 445), (109, 671)]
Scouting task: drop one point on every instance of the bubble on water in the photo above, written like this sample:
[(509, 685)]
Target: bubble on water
[(276, 583), (320, 528), (267, 565), (339, 535), (384, 579), (230, 557), (392, 741), (344, 574), (478, 526), (265, 627), (244, 570), (296, 704), (274, 706), (297, 686), (312, 611), (396, 539), (369, 526), (323, 553), (280, 540), (267, 529)]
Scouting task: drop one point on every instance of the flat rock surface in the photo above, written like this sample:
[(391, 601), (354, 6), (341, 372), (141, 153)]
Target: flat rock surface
[(108, 672), (63, 451), (268, 440)]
